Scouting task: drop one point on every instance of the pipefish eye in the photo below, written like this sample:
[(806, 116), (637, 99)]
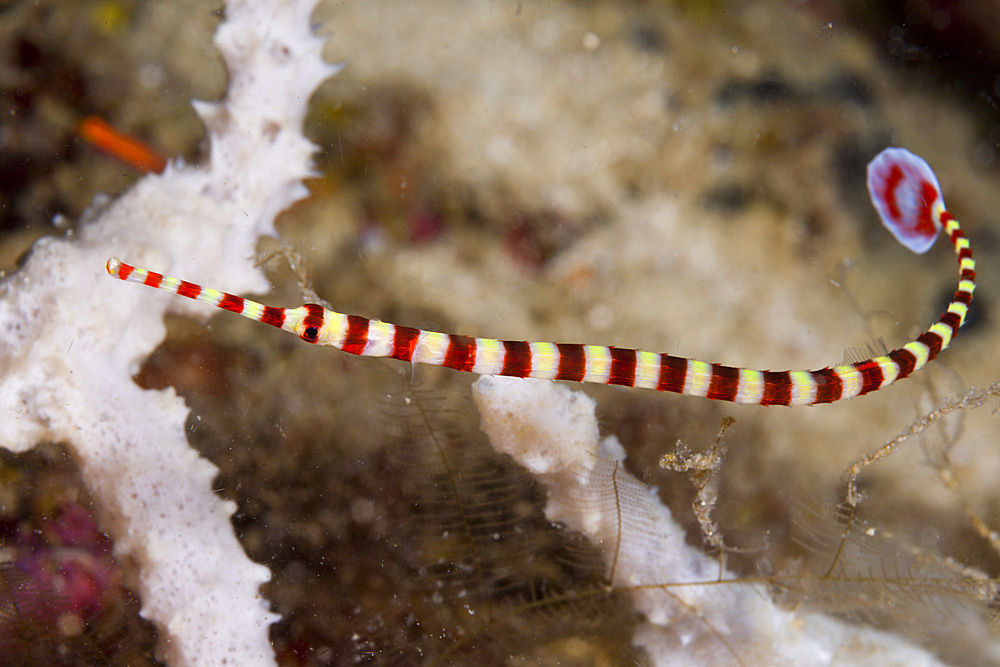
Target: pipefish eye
[(310, 333), (312, 326)]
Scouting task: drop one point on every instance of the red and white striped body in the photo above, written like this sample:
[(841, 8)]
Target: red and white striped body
[(904, 192)]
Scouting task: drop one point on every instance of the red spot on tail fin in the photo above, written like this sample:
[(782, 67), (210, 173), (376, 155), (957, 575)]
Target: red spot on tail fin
[(904, 190)]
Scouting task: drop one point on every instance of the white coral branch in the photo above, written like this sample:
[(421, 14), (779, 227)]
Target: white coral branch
[(553, 432), (71, 339)]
